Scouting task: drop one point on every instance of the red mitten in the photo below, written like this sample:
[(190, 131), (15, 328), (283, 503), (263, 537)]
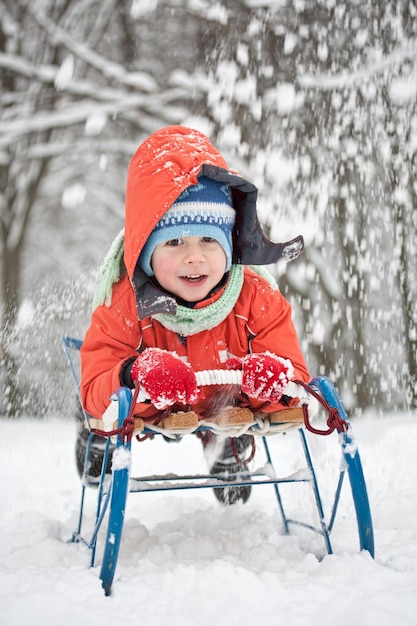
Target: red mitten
[(165, 378), (264, 375)]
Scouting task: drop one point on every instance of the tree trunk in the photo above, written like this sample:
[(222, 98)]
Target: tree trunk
[(10, 293)]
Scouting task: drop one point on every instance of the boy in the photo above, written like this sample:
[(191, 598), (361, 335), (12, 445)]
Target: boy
[(182, 299)]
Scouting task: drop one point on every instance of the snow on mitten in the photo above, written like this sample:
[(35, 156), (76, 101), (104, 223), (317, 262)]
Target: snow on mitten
[(165, 377), (264, 375)]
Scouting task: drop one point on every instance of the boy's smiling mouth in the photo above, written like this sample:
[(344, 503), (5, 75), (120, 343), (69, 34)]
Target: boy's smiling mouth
[(194, 278)]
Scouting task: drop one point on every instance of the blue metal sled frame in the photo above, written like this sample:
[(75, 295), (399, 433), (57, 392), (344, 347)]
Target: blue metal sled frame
[(112, 491)]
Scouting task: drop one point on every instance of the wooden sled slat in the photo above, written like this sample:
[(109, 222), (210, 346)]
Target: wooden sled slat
[(184, 420), (234, 416), (293, 415)]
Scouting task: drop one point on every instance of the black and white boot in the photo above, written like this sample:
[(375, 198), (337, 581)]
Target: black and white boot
[(97, 449)]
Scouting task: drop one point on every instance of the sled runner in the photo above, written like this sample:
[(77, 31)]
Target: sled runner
[(112, 481)]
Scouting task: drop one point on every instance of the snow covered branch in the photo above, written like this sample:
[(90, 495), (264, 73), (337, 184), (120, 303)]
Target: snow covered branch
[(348, 79), (80, 111), (111, 70)]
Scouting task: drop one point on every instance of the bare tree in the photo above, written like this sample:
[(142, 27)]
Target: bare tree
[(67, 97), (302, 88)]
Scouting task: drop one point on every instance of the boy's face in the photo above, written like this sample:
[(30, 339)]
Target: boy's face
[(189, 267)]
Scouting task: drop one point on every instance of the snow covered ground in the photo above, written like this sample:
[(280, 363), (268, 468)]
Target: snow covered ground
[(187, 560)]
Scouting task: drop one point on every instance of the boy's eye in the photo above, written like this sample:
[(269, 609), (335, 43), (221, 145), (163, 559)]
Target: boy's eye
[(174, 242), (207, 239)]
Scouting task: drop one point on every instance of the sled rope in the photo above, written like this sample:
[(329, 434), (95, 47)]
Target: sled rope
[(206, 378), (218, 377), (208, 436), (334, 421), (239, 461), (127, 429), (225, 377)]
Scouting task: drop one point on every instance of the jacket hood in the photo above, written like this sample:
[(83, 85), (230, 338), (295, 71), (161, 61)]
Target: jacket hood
[(164, 165)]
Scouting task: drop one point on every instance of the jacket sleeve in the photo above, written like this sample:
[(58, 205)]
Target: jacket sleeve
[(273, 329), (112, 338)]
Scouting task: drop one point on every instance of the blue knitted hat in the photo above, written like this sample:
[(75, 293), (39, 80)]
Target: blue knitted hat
[(203, 210)]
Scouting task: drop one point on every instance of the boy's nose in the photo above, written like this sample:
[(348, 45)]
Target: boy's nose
[(194, 253)]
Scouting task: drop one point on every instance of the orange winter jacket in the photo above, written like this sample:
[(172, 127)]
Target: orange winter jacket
[(162, 168)]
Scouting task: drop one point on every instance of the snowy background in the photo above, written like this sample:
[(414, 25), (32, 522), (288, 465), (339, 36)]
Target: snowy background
[(314, 101), (186, 560)]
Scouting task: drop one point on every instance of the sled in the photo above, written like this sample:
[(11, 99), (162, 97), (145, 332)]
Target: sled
[(112, 489)]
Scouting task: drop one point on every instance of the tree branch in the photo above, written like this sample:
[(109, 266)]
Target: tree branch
[(139, 80), (79, 112), (329, 82)]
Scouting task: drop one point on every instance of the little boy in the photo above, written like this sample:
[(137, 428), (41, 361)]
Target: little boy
[(183, 299)]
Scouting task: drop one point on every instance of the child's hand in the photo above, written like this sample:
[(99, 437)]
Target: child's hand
[(264, 375), (165, 377)]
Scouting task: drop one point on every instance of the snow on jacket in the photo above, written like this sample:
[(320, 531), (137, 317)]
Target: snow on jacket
[(135, 317)]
